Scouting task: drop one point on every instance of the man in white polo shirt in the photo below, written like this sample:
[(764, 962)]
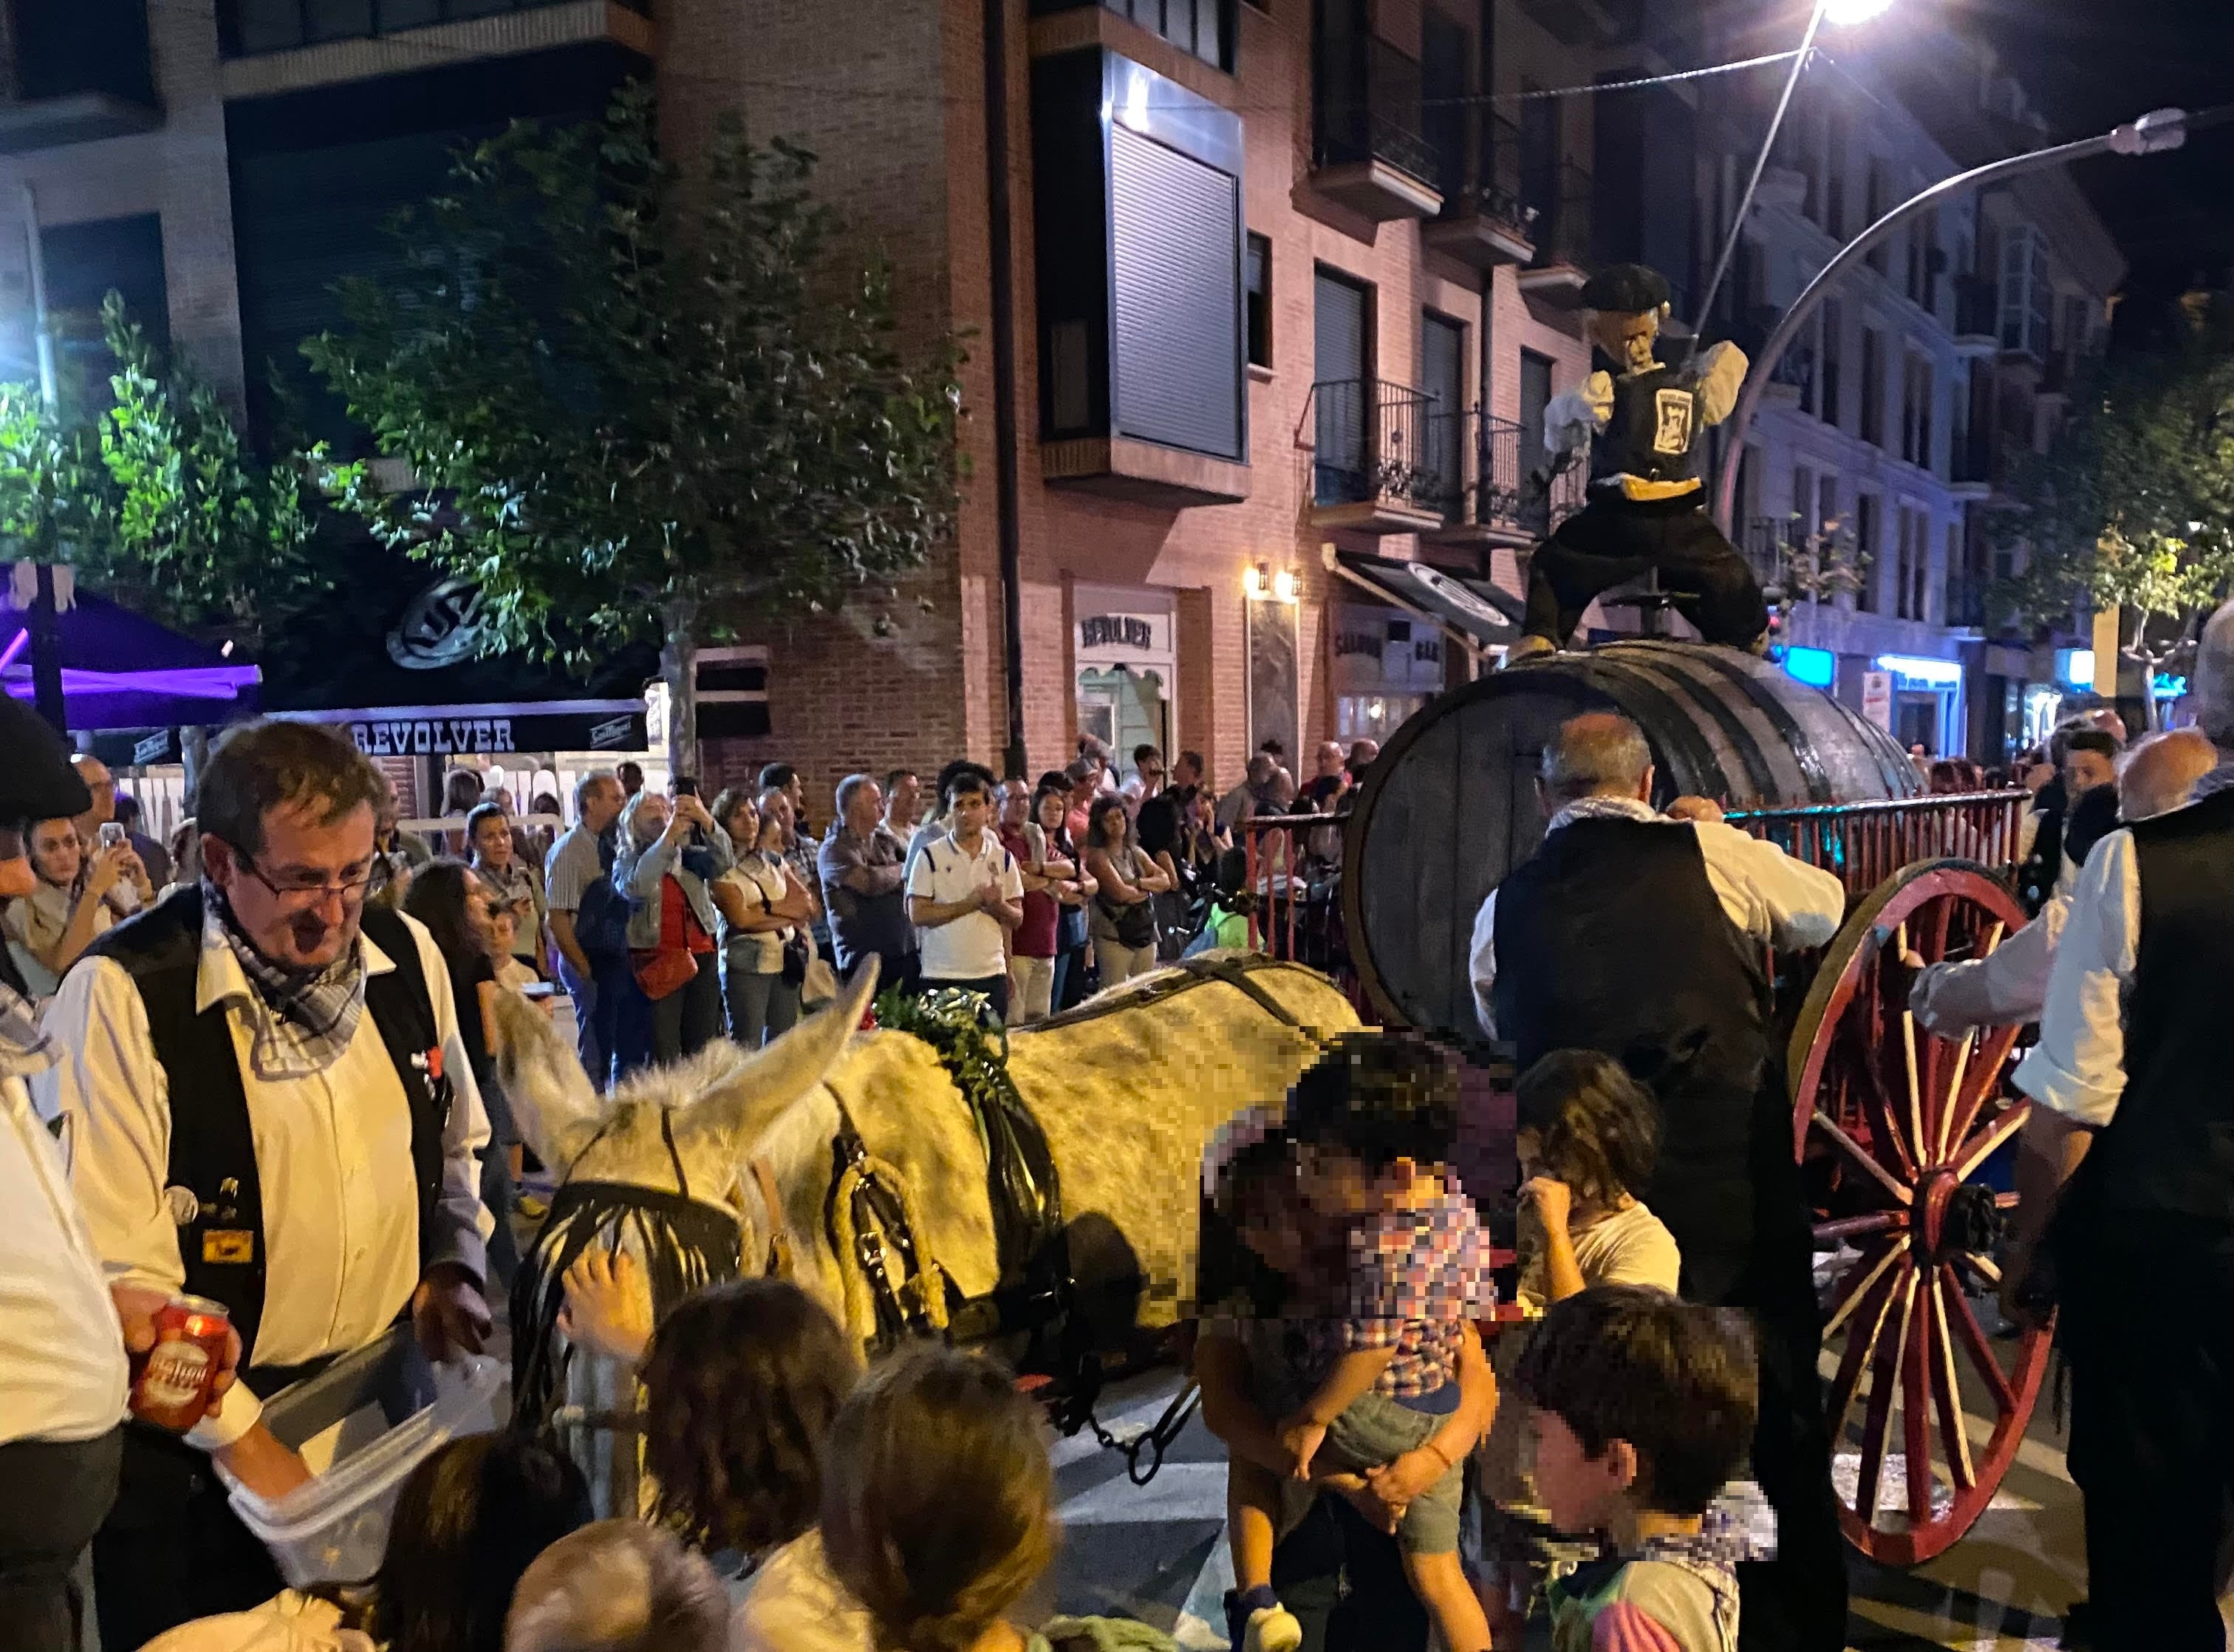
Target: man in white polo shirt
[(965, 894)]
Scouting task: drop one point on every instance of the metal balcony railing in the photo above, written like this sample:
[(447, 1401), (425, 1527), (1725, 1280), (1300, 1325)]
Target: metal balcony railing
[(1371, 441), (1562, 219), (1477, 172), (1491, 474), (246, 27), (1367, 105)]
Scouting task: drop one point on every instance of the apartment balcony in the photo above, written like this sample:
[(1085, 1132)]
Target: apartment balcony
[(1977, 317), (1371, 451), (252, 28), (1576, 22), (1562, 264), (1485, 222), (1493, 483), (82, 73), (1367, 151)]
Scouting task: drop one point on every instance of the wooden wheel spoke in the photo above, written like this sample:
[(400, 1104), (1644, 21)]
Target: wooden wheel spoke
[(1954, 1436), (1877, 1417), (1993, 1046), (1981, 1146), (1916, 1413), (1830, 1234), (1885, 1116), (1983, 1266), (1861, 1337), (1862, 1158), (1975, 1341), (1855, 1286)]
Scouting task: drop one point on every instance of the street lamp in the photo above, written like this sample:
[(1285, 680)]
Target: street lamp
[(1841, 12), (2158, 131)]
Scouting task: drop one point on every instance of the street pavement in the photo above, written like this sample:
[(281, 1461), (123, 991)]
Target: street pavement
[(1158, 1552)]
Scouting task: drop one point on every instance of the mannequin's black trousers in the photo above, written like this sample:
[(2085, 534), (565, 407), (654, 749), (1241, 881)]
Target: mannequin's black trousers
[(1613, 539)]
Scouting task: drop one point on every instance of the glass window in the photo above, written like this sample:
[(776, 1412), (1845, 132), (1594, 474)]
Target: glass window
[(1260, 302)]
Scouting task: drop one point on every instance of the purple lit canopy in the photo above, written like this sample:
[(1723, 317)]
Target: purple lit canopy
[(120, 670)]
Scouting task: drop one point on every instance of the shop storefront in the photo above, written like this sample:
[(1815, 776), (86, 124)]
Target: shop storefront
[(1126, 640), (1393, 639), (1927, 708)]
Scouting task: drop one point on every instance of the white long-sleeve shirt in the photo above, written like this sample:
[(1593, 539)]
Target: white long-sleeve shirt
[(333, 1160), (63, 1370), (2079, 1066), (2006, 987), (1766, 894)]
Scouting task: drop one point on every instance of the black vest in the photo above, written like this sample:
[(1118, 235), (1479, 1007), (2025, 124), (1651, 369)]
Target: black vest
[(2170, 1146), (212, 1147), (1653, 435), (1611, 938)]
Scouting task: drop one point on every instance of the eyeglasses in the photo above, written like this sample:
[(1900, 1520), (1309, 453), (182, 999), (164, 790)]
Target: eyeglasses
[(308, 891)]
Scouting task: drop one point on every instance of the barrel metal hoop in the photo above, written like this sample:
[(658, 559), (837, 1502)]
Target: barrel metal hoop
[(1688, 759), (1664, 664), (1802, 744)]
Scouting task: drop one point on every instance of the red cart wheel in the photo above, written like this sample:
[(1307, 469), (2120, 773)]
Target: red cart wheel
[(1895, 1125)]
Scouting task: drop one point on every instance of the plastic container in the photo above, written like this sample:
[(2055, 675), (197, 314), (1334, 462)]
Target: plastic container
[(335, 1530)]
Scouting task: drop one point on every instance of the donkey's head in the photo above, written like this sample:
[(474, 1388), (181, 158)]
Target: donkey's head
[(713, 1106)]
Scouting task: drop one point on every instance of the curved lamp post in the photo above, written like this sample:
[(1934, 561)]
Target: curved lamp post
[(2156, 132)]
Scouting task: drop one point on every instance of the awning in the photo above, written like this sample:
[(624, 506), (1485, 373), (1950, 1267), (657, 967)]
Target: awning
[(396, 659), (1474, 611), (120, 670)]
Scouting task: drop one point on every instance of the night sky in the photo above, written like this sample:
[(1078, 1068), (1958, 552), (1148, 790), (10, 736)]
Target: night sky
[(2088, 64)]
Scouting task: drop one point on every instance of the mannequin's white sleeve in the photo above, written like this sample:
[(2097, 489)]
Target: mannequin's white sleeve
[(1569, 420), (1722, 375)]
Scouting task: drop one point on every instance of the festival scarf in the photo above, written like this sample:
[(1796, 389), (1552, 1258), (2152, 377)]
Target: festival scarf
[(1604, 808), (24, 1047), (303, 1019)]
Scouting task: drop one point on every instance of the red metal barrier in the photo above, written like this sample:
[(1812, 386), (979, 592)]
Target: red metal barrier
[(1866, 843)]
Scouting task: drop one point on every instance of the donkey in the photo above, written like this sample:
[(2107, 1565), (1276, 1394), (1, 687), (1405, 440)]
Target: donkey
[(1129, 1094)]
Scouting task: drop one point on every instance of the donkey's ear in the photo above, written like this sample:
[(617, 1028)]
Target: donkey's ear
[(749, 1097), (553, 1102)]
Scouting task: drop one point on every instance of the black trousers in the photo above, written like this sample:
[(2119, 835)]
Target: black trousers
[(688, 1018), (1344, 1582), (1613, 539), (2148, 1324), (1796, 1603), (53, 1498), (171, 1549), (994, 987)]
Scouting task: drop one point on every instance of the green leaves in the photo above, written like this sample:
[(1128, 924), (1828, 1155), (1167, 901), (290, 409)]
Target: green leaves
[(2132, 507), (625, 394), (156, 498)]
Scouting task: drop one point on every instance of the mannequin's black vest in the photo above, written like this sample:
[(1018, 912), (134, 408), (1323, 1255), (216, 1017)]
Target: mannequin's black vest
[(1611, 938), (213, 1146), (2170, 1146), (1654, 432)]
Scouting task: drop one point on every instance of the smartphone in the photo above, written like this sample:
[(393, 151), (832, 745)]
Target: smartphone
[(112, 833), (685, 787), (538, 990)]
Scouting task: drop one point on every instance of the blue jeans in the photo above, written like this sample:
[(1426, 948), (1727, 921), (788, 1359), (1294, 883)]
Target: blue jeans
[(613, 1018)]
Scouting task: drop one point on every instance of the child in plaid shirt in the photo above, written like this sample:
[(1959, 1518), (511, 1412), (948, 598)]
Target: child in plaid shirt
[(1353, 1201)]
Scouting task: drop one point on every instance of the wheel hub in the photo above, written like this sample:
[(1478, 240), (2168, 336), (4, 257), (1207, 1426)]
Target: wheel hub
[(1953, 1216)]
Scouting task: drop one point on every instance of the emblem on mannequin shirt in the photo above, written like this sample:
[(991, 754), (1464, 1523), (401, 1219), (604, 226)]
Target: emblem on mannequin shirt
[(1672, 413), (228, 1244), (184, 1207)]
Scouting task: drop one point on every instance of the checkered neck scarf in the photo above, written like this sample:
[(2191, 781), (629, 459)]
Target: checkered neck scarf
[(1602, 808), (24, 1047), (303, 1019)]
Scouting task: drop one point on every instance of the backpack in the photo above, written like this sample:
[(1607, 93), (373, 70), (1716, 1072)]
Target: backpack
[(602, 920)]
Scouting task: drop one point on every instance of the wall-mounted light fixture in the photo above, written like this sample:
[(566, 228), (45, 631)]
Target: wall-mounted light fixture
[(1263, 582), (1256, 580), (1284, 584)]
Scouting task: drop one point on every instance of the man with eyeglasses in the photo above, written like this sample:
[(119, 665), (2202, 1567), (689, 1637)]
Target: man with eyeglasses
[(266, 1101)]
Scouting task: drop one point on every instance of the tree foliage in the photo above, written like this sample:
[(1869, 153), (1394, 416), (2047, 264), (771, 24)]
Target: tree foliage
[(2132, 507), (638, 408), (157, 498)]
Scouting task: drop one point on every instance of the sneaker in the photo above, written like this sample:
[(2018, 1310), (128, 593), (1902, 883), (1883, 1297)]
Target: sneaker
[(1271, 1628)]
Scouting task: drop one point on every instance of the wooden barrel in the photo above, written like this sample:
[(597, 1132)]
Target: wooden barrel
[(1450, 807)]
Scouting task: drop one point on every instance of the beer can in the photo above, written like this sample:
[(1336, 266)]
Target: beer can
[(174, 1382)]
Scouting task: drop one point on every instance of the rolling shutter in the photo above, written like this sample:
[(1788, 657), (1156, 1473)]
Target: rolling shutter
[(1176, 239)]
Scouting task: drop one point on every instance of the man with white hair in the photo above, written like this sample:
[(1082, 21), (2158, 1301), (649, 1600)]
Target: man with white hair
[(2132, 1150), (2009, 986), (1642, 937)]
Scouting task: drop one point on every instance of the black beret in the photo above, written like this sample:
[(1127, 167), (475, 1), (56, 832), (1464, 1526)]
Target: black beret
[(1625, 290), (36, 780)]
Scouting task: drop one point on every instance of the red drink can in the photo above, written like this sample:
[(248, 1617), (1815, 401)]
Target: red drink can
[(173, 1387)]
